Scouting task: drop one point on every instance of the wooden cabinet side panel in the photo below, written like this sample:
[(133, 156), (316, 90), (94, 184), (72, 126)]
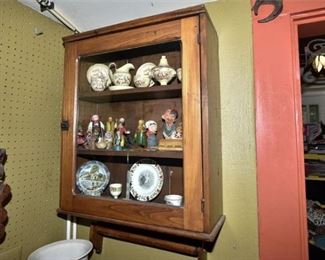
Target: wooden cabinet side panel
[(192, 165), (68, 137), (211, 124)]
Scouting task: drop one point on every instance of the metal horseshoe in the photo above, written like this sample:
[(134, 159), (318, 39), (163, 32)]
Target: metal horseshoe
[(278, 6)]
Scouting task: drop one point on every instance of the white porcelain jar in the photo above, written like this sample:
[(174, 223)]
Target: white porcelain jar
[(163, 73)]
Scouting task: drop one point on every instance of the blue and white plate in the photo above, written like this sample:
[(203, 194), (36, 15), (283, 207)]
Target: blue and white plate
[(92, 178)]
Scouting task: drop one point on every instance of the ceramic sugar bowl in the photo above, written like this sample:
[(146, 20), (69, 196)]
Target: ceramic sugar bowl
[(163, 73)]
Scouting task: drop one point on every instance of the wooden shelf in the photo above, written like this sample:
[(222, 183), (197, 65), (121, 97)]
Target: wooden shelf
[(312, 242), (132, 153), (315, 178), (156, 92), (314, 156)]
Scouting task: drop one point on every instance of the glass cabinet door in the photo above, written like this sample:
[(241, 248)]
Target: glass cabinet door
[(129, 131)]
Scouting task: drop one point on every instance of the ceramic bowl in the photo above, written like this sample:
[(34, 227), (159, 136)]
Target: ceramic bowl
[(141, 81), (174, 200)]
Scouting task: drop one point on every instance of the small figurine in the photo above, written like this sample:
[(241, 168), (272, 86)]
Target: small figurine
[(169, 128), (139, 136), (179, 131), (95, 131), (121, 138), (96, 127), (151, 134), (109, 135), (110, 125), (81, 139)]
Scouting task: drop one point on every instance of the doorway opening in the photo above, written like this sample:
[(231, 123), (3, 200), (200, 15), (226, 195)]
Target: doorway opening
[(312, 71)]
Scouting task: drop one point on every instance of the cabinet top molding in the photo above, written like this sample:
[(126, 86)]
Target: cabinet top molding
[(150, 20)]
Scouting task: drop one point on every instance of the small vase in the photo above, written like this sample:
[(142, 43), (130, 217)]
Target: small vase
[(163, 73)]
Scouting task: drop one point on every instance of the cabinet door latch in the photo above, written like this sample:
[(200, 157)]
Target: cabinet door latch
[(202, 204), (64, 125)]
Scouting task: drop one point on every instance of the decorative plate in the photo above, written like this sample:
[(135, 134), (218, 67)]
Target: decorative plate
[(146, 181), (92, 178), (145, 70), (119, 87)]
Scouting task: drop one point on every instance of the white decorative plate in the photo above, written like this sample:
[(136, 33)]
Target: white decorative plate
[(145, 70), (92, 178), (119, 87), (146, 181)]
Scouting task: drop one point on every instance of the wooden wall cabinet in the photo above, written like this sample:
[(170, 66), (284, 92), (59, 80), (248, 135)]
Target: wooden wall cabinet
[(188, 40)]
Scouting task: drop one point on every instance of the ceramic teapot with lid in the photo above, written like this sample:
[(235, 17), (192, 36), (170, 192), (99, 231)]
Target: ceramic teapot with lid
[(163, 73)]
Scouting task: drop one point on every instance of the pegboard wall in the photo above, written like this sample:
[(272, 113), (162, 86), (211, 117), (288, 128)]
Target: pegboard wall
[(31, 84)]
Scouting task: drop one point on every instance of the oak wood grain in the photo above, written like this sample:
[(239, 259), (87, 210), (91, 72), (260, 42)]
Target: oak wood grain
[(202, 236), (138, 37), (133, 152), (211, 123), (69, 113), (193, 215), (152, 239), (150, 20), (157, 92)]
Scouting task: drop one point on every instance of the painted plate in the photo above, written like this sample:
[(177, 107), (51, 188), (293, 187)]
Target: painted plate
[(145, 70), (146, 181), (92, 178)]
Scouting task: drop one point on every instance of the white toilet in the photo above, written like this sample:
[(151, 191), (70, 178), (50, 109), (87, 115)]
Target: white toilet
[(74, 249)]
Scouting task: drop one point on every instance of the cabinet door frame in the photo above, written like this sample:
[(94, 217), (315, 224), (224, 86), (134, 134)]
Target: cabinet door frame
[(280, 161), (186, 30)]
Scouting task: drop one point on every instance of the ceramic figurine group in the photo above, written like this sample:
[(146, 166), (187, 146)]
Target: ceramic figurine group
[(115, 135), (101, 76)]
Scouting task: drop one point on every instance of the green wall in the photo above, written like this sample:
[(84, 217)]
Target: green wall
[(31, 76), (238, 239), (31, 70)]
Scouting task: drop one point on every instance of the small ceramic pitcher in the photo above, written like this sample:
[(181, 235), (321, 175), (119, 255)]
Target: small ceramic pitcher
[(122, 75)]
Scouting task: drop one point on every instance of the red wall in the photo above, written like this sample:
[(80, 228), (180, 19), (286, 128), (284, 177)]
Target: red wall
[(280, 170)]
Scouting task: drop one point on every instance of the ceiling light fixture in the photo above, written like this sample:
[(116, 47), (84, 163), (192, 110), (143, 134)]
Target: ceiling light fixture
[(319, 62), (47, 5), (315, 55), (313, 72)]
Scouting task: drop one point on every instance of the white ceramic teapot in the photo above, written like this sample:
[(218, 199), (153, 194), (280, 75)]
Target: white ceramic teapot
[(122, 75)]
